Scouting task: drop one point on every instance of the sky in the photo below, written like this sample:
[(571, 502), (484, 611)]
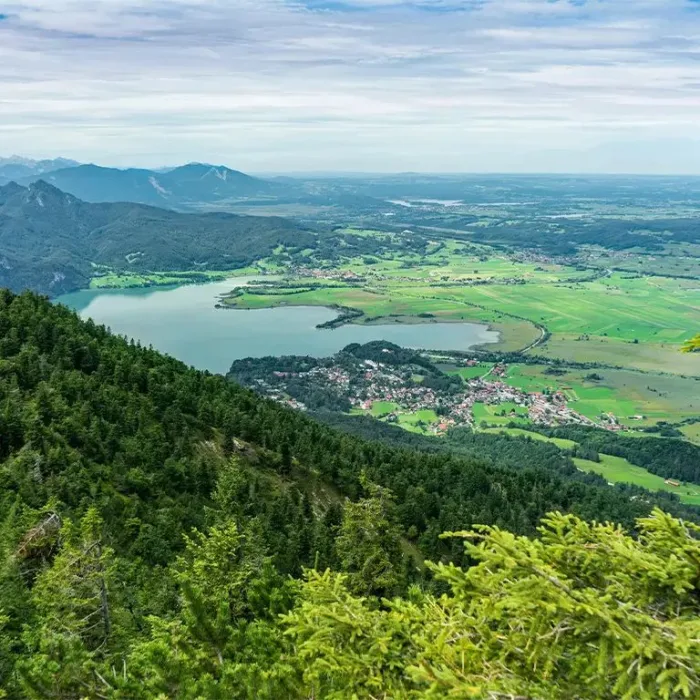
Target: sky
[(355, 85)]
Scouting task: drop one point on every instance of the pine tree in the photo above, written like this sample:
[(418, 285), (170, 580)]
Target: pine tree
[(368, 544), (584, 611), (75, 611)]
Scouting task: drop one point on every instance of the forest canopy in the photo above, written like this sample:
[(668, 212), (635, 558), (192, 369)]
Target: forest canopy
[(166, 533)]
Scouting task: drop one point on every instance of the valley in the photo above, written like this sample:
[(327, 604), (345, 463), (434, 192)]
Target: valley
[(587, 316), (438, 394), (349, 350), (213, 389), (556, 315)]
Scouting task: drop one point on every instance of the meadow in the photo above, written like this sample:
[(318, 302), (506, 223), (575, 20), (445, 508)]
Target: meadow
[(613, 318), (107, 279), (626, 393), (561, 443), (618, 470), (416, 421), (613, 469), (638, 399), (692, 432), (500, 414)]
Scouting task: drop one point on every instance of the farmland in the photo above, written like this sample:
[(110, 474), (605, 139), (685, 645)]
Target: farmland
[(500, 414), (105, 278), (624, 326), (619, 470), (692, 432), (613, 469), (648, 397), (614, 318)]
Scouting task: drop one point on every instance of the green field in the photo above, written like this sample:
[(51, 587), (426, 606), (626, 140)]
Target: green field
[(416, 422), (647, 357), (676, 260), (561, 443), (625, 393), (382, 408), (619, 319), (491, 414), (646, 309), (105, 279), (692, 432), (613, 469), (619, 470), (411, 421), (475, 372)]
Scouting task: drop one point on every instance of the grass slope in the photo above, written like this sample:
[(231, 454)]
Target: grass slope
[(618, 469)]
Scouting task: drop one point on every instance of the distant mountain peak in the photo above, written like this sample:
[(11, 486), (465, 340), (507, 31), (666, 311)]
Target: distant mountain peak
[(204, 169), (43, 186), (11, 188), (180, 187), (45, 194), (21, 169)]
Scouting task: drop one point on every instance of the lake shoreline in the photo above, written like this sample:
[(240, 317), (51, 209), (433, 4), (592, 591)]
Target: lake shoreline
[(357, 317), (183, 322)]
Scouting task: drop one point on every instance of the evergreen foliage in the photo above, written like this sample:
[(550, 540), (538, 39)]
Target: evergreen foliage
[(693, 345), (50, 241), (584, 611), (156, 521)]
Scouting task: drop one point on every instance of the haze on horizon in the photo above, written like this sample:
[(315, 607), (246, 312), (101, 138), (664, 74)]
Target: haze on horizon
[(355, 85)]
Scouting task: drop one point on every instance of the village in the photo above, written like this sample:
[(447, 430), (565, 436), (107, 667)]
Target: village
[(390, 392)]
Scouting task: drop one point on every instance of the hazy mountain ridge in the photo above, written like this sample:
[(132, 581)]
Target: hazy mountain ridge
[(16, 167), (49, 239), (183, 186)]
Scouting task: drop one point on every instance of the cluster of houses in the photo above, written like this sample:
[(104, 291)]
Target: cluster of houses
[(336, 275), (551, 409), (371, 382)]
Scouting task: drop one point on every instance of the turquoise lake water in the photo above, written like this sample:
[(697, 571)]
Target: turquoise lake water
[(183, 322)]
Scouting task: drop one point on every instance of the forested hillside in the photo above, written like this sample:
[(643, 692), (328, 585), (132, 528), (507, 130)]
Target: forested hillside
[(151, 516), (50, 241)]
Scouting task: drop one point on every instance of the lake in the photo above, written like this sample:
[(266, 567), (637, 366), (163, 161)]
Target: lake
[(183, 322)]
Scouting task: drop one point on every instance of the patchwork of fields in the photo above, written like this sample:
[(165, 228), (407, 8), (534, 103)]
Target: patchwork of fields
[(636, 398), (633, 323), (613, 318)]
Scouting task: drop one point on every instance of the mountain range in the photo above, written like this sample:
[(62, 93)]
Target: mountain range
[(17, 168), (50, 240), (182, 187)]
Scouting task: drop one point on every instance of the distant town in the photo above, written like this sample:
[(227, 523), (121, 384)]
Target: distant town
[(391, 391)]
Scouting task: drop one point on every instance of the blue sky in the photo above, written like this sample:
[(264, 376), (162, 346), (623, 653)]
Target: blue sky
[(368, 85)]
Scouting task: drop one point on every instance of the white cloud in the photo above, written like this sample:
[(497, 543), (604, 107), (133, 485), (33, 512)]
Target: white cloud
[(360, 84)]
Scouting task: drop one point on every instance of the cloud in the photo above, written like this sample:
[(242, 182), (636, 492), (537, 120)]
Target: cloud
[(350, 84)]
